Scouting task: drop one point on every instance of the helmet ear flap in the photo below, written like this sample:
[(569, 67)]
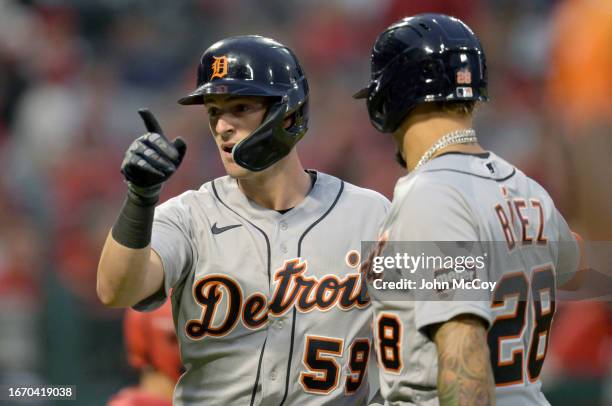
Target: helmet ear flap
[(299, 119), (376, 105), (271, 141), (389, 100)]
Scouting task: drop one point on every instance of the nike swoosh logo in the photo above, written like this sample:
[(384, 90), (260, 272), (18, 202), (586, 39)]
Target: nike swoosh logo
[(219, 230)]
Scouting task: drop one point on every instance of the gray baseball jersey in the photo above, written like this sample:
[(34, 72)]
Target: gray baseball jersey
[(267, 306), (475, 197)]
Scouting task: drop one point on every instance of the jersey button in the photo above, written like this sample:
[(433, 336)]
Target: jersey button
[(283, 248), (279, 324), (273, 375), (283, 226)]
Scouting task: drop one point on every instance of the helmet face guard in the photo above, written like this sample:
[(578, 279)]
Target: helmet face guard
[(257, 66), (426, 58), (270, 142)]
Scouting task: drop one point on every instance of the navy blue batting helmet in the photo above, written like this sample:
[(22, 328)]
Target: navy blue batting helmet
[(251, 65), (419, 59)]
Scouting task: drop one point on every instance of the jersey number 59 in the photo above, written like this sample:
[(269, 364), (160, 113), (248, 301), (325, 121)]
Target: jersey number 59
[(323, 374)]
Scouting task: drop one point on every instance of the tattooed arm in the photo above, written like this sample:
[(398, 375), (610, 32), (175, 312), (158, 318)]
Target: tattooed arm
[(464, 368)]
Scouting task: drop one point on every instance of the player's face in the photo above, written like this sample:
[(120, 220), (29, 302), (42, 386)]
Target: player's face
[(231, 120)]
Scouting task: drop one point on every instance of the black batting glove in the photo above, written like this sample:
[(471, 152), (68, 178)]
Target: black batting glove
[(150, 161)]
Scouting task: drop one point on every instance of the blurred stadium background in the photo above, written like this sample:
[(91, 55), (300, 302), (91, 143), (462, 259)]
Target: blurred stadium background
[(74, 72)]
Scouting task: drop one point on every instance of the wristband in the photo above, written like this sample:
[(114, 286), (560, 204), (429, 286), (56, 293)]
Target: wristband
[(134, 224)]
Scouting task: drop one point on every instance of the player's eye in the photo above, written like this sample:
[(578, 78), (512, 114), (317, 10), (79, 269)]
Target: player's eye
[(242, 109), (213, 112)]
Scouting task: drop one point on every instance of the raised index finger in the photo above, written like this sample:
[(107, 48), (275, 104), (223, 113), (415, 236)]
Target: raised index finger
[(150, 122)]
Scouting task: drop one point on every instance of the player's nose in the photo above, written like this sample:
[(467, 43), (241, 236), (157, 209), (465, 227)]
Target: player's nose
[(224, 127)]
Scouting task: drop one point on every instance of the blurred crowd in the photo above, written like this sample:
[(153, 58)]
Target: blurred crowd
[(74, 73)]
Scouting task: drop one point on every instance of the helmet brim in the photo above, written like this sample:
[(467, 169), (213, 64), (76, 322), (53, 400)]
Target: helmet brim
[(232, 88)]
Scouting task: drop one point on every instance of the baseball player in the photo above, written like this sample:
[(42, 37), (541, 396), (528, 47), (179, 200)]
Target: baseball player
[(153, 350), (428, 71), (263, 263)]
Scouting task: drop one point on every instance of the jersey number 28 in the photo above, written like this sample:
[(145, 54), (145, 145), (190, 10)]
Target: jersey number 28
[(509, 327)]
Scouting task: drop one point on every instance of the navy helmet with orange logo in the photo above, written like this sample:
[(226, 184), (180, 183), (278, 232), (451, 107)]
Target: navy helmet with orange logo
[(252, 65), (420, 59)]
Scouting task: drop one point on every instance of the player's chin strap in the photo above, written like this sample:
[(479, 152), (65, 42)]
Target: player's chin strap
[(270, 142)]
